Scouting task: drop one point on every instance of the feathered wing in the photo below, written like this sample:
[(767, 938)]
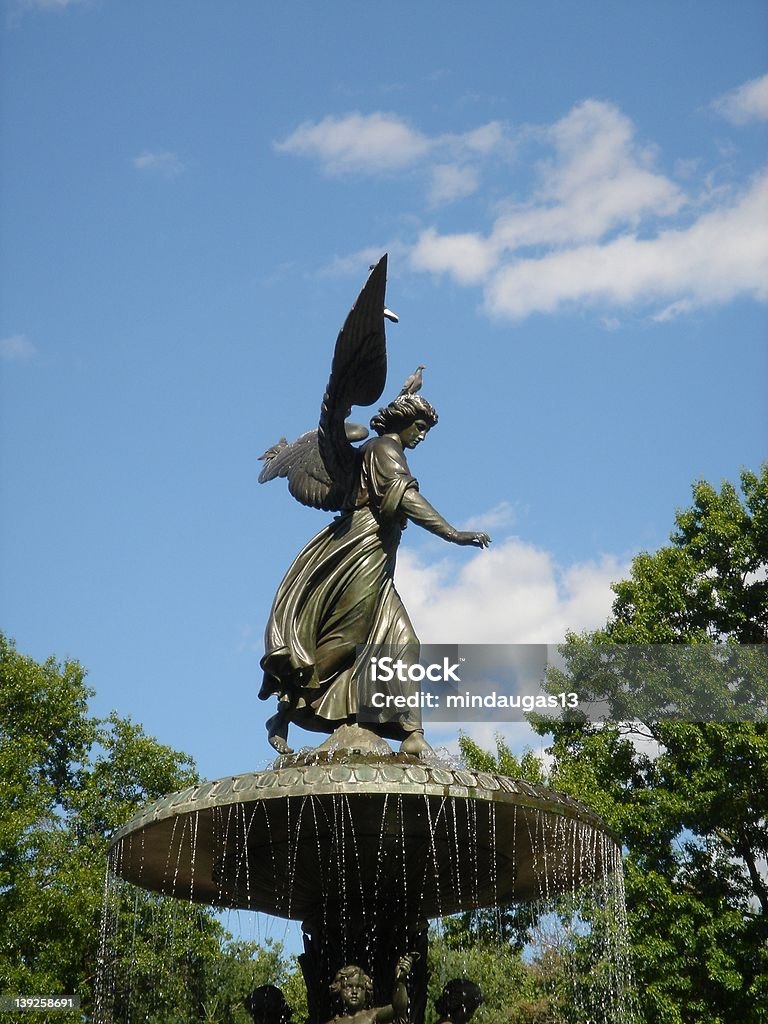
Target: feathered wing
[(320, 466), (358, 376), (300, 463)]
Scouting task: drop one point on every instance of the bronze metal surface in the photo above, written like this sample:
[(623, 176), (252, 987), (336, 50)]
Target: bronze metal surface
[(439, 838)]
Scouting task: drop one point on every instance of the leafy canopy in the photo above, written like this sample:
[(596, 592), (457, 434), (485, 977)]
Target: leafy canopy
[(67, 781), (689, 799)]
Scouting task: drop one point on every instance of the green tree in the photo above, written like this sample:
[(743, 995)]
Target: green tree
[(688, 799), (67, 781), (550, 967), (515, 992), (504, 761), (244, 967)]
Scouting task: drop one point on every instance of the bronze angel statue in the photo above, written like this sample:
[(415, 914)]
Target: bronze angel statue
[(337, 604)]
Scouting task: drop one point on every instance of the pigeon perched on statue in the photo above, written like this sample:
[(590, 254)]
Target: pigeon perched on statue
[(413, 383)]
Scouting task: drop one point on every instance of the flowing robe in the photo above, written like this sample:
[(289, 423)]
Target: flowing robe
[(337, 604)]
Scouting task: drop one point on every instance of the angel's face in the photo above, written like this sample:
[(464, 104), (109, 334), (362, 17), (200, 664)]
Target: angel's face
[(414, 433)]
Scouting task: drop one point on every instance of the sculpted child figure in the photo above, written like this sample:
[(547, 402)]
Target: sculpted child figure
[(267, 1005), (458, 1001), (354, 989)]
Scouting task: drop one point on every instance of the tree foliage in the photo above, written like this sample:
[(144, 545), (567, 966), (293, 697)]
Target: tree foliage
[(515, 992), (689, 799), (67, 781), (504, 761), (564, 955)]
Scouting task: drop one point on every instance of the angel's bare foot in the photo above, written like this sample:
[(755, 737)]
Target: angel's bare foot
[(277, 733), (280, 745), (414, 743)]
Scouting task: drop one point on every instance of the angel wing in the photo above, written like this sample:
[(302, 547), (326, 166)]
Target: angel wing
[(358, 376), (321, 465), (300, 463)]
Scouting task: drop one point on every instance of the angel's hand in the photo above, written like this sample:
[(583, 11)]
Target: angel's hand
[(471, 538)]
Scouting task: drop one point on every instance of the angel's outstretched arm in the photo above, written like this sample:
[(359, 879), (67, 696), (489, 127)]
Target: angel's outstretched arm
[(419, 511)]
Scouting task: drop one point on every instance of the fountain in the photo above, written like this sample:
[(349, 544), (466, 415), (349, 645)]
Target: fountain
[(364, 847), (362, 844)]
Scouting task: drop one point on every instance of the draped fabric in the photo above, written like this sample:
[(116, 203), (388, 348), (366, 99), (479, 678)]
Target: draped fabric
[(339, 596)]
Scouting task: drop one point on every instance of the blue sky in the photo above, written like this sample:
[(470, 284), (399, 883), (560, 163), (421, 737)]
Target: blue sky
[(573, 197)]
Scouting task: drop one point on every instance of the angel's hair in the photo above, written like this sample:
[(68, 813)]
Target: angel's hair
[(459, 992), (402, 412), (352, 971)]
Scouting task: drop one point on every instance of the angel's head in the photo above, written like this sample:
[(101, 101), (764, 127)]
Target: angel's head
[(409, 416)]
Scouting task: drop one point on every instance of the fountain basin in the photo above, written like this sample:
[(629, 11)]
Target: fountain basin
[(432, 838)]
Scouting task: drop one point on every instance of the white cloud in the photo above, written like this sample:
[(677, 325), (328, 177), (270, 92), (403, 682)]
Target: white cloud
[(747, 103), (16, 347), (358, 142), (600, 226), (722, 255), (353, 263), (598, 181), (452, 181), (486, 139), (600, 176), (383, 143), (500, 515), (509, 593), (673, 310), (165, 163), (469, 258)]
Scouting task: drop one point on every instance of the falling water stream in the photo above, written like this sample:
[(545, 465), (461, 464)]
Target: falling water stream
[(359, 850)]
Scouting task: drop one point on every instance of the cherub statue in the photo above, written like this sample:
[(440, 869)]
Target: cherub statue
[(354, 989), (339, 598), (267, 1005), (458, 1001)]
